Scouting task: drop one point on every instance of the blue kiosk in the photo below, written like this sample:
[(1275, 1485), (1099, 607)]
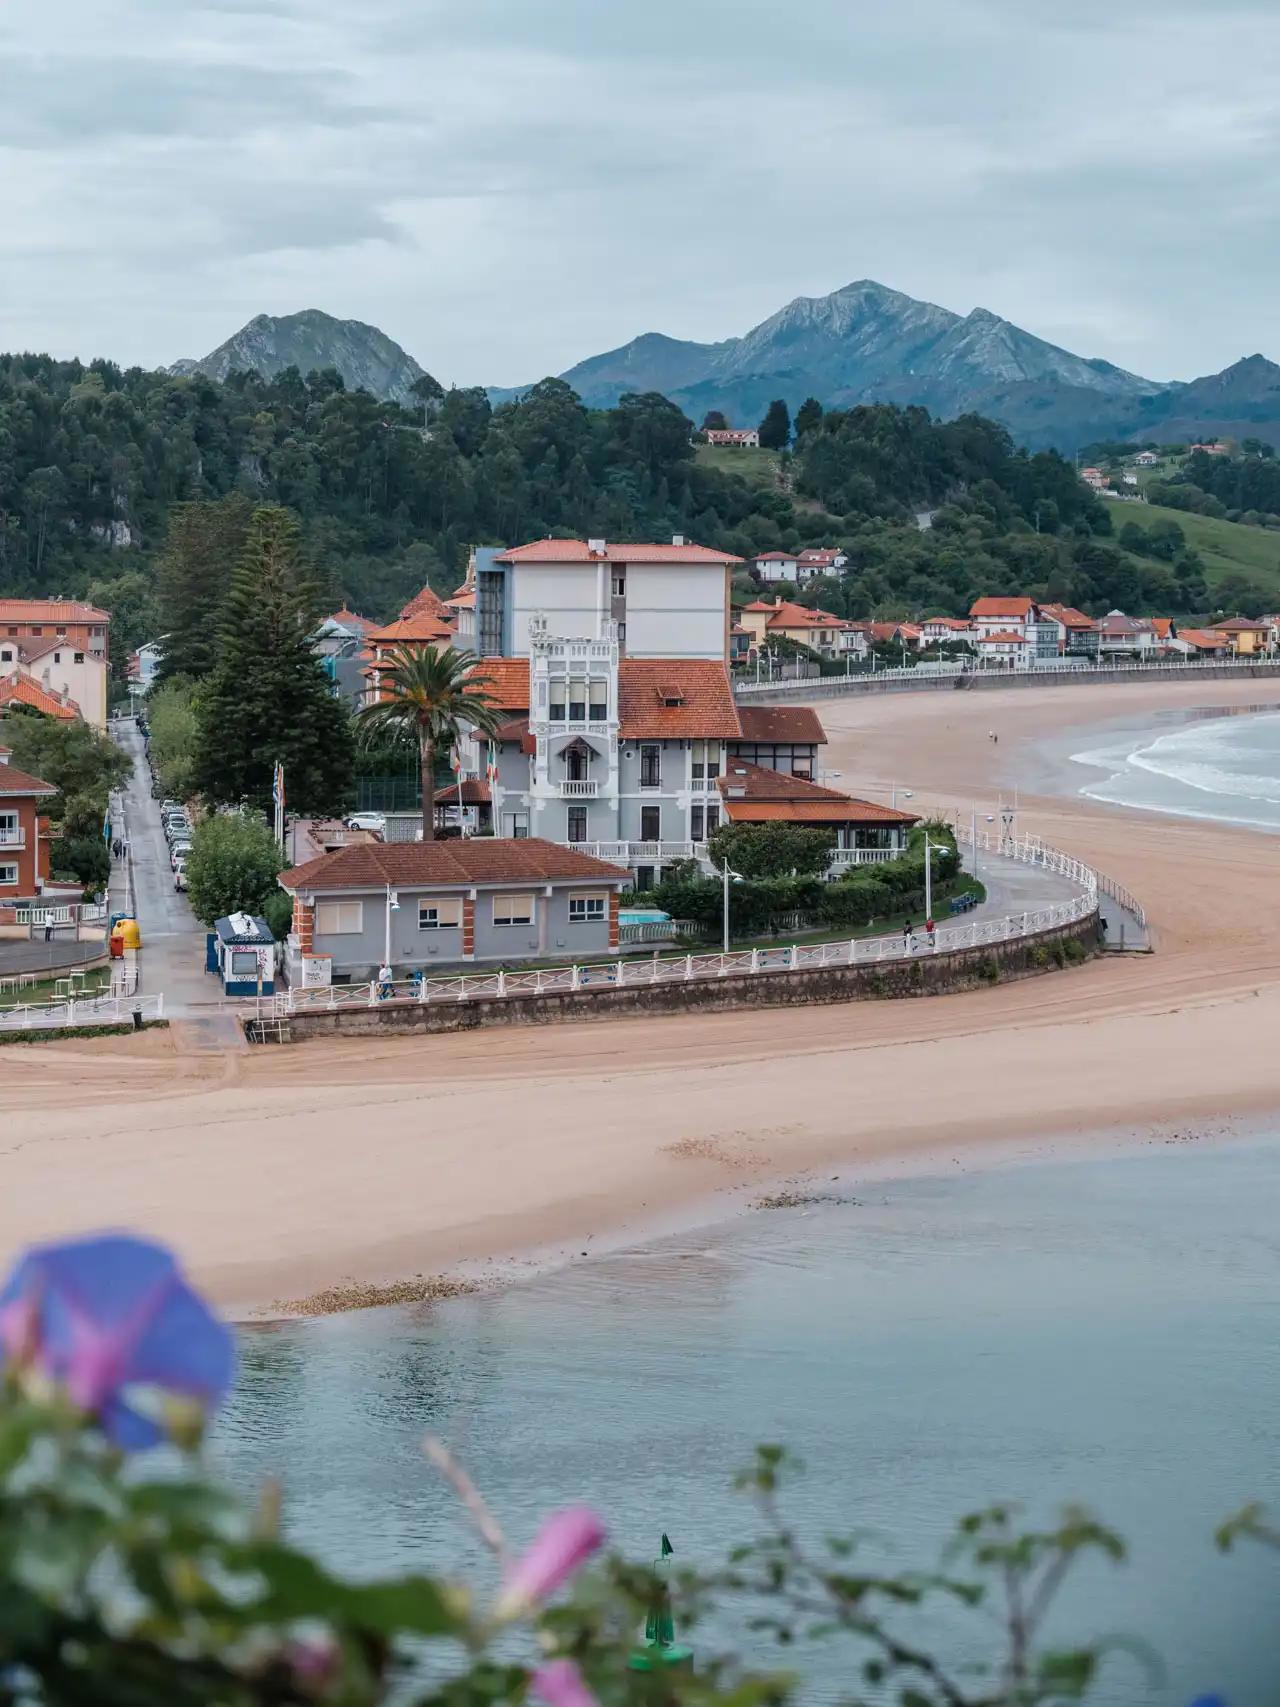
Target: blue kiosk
[(242, 952)]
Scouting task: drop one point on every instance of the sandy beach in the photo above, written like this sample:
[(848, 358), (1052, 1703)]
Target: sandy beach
[(279, 1173)]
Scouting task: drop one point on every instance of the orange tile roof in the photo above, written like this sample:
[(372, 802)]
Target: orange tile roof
[(579, 551), (781, 723), (351, 619), (1203, 637), (14, 781), (1002, 638), (754, 794), (460, 860), (421, 628), (760, 604), (707, 711), (1068, 616), (1163, 626), (506, 681), (1240, 625), (1001, 607), (427, 601), (18, 688), (788, 615), (463, 599), (474, 793), (50, 610)]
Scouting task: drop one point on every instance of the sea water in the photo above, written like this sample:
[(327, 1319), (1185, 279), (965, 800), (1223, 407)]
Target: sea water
[(1103, 1329), (1218, 764)]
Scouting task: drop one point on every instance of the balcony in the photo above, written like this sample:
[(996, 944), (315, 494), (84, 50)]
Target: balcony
[(842, 857), (572, 788), (12, 838)]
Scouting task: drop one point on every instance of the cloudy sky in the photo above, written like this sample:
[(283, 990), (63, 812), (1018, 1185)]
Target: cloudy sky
[(506, 186)]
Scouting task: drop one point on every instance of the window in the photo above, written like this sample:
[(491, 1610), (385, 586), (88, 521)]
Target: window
[(513, 909), (619, 583), (577, 823), (339, 918), (557, 702), (79, 657), (6, 657), (442, 915), (36, 631), (8, 874), (651, 765), (706, 761), (244, 964), (713, 819), (577, 702), (698, 823), (650, 823), (586, 909), (57, 657), (599, 696), (515, 825), (644, 877), (61, 633)]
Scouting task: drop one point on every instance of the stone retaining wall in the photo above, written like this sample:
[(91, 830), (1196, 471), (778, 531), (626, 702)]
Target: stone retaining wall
[(926, 975), (968, 681)]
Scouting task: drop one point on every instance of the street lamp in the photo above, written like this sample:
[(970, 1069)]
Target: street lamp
[(729, 876)]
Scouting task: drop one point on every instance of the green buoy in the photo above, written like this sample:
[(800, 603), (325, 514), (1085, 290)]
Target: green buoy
[(661, 1649)]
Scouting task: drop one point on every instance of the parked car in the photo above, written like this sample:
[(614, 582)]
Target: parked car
[(179, 850), (367, 821), (180, 876)]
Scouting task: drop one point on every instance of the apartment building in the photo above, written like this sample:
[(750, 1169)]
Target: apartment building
[(24, 850), (61, 646)]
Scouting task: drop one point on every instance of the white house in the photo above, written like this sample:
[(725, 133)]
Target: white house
[(820, 560), (1146, 459), (944, 630), (1003, 649), (1001, 616), (774, 566), (665, 601), (745, 438)]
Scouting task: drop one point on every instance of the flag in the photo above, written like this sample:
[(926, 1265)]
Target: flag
[(456, 760), (491, 766)]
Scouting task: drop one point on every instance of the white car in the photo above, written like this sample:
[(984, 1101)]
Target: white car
[(179, 853), (367, 821)]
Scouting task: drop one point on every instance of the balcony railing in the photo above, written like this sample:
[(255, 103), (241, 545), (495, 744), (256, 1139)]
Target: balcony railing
[(574, 788), (15, 838), (840, 857)]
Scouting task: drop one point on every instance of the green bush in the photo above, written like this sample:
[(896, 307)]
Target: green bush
[(233, 866)]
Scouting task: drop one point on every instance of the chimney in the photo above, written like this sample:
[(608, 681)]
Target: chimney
[(677, 539)]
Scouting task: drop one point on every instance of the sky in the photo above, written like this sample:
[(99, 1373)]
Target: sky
[(508, 186)]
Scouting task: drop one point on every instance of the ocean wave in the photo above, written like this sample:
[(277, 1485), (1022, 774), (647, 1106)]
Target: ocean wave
[(1202, 758)]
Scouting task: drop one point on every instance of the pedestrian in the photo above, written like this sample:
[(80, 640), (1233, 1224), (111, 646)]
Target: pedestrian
[(384, 983), (930, 930)]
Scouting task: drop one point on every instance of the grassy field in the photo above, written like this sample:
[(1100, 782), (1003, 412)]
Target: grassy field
[(1228, 548), (756, 467), (30, 995)]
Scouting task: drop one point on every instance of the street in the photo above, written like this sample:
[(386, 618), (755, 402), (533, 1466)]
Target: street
[(172, 957)]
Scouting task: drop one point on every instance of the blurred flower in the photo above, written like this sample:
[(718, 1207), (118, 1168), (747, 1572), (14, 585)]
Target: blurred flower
[(315, 1661), (559, 1550), (107, 1315), (560, 1684)]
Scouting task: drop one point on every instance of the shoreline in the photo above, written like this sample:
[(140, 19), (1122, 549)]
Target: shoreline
[(486, 1156)]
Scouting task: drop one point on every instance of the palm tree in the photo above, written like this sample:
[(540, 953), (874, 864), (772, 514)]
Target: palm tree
[(426, 695)]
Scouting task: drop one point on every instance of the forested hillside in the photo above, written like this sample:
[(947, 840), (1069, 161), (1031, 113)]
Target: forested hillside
[(93, 459)]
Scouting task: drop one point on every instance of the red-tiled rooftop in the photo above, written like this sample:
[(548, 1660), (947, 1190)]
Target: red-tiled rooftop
[(781, 723), (461, 860), (505, 681), (21, 689), (475, 792), (420, 629), (705, 710), (14, 781), (50, 610), (1001, 607), (428, 601), (754, 794)]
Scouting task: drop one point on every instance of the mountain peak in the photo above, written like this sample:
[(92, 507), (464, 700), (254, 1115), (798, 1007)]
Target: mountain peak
[(310, 339)]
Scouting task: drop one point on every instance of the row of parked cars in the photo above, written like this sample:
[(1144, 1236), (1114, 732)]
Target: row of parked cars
[(177, 832)]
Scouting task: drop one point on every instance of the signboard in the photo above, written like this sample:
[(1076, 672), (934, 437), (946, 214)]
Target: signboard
[(317, 971)]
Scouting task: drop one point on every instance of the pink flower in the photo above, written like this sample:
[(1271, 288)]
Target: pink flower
[(559, 1550), (560, 1684)]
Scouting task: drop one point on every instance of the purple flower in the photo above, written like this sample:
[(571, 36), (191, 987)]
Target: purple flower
[(560, 1684), (103, 1316), (559, 1550)]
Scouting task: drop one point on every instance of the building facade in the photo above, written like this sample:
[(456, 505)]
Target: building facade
[(62, 644), (24, 849)]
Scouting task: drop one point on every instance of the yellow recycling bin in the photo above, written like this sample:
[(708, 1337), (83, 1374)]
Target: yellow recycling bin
[(128, 932)]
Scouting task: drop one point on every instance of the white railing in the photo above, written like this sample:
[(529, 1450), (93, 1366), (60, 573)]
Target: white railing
[(573, 788), (628, 851), (840, 857), (651, 931), (1063, 667), (13, 838), (77, 1011), (748, 962)]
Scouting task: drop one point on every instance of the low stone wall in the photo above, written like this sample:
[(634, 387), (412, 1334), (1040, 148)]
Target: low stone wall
[(926, 975)]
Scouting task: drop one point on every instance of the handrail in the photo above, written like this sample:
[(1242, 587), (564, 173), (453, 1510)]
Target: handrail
[(80, 1010), (861, 679), (688, 968)]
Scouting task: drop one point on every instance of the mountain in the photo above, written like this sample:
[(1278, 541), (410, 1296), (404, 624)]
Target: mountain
[(365, 357), (866, 343)]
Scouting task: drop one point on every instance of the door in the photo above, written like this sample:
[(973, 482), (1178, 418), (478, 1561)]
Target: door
[(650, 823)]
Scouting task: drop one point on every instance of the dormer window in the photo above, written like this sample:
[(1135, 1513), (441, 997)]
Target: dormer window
[(671, 696)]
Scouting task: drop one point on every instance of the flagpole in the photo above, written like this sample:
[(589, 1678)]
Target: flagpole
[(462, 817)]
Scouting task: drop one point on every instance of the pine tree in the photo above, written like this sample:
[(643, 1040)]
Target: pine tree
[(204, 543), (775, 429), (269, 699), (808, 417)]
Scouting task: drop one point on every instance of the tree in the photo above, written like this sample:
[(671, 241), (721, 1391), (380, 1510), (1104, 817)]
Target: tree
[(233, 866), (193, 580), (808, 417), (427, 695), (714, 422), (771, 850), (175, 735), (775, 429), (269, 699)]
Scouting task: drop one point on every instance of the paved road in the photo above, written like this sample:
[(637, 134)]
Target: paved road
[(172, 958)]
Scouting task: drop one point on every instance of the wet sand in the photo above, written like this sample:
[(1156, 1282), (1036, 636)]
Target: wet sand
[(280, 1174)]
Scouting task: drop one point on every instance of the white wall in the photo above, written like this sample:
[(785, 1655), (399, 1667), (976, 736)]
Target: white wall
[(564, 593), (677, 610), (86, 683)]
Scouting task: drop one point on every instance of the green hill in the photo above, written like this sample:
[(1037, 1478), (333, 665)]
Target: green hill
[(756, 467), (1228, 548)]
